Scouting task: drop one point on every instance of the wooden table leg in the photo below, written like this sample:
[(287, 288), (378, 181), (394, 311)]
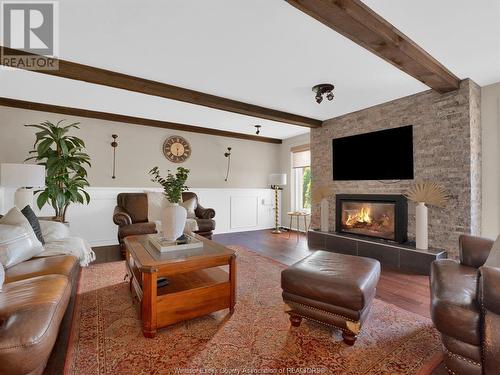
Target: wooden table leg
[(232, 280), (148, 306)]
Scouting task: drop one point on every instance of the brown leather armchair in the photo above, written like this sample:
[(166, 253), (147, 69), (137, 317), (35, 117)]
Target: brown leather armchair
[(131, 216), (465, 308)]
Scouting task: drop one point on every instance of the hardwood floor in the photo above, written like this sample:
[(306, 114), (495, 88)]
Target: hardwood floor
[(405, 290)]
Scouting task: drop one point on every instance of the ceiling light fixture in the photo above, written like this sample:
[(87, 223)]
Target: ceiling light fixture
[(323, 89), (257, 129)]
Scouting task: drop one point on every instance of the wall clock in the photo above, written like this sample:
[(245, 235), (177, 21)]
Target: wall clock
[(176, 149)]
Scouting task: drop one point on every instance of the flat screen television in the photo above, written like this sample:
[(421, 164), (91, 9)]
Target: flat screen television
[(381, 155)]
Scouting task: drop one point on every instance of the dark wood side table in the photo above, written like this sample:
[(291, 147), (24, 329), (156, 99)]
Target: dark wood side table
[(197, 285)]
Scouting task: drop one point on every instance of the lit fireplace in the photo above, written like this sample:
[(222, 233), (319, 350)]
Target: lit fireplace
[(380, 216)]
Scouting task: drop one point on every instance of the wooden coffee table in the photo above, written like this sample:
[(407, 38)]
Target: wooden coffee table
[(201, 281)]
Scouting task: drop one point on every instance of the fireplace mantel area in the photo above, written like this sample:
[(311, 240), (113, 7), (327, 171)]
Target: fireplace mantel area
[(375, 226), (446, 138)]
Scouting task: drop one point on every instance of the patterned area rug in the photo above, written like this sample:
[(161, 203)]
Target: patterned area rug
[(256, 339)]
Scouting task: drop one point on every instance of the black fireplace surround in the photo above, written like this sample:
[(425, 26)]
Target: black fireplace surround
[(372, 215)]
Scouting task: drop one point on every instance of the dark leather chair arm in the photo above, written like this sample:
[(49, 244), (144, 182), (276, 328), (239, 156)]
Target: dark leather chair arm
[(489, 292), (490, 289), (474, 250), (204, 213), (121, 217)]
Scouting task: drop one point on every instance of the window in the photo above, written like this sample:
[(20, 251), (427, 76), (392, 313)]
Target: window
[(301, 174)]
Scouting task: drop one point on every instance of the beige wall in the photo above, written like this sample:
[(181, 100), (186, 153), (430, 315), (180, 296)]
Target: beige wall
[(286, 167), (490, 118), (140, 149)]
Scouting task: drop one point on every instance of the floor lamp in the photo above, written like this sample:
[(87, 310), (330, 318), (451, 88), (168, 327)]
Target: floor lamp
[(277, 181)]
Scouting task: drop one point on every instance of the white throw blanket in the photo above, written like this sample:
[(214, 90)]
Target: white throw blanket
[(58, 241)]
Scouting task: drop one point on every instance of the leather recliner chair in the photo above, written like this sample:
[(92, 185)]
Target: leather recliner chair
[(131, 216), (465, 308)]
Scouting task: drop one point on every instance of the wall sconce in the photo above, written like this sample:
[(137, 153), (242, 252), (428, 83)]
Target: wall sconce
[(228, 156), (114, 144)]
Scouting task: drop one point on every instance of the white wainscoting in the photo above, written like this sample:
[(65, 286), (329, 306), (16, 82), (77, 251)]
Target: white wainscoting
[(236, 210)]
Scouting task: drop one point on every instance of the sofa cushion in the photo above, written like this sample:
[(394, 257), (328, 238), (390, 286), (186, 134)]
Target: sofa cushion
[(136, 229), (33, 220), (30, 315), (136, 205), (455, 310), (64, 265), (337, 279)]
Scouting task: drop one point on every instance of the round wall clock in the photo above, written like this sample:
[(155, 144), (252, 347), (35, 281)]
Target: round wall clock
[(176, 149)]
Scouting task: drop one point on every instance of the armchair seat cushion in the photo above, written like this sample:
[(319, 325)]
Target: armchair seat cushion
[(455, 309), (136, 229)]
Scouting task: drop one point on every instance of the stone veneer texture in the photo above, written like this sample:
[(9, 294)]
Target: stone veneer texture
[(446, 148)]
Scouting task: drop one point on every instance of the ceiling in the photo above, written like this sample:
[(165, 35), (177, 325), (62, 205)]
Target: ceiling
[(263, 52)]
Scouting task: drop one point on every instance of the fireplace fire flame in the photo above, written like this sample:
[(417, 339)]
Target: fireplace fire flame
[(362, 216)]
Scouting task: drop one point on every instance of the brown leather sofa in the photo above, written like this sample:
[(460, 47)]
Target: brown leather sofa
[(465, 309), (131, 216), (36, 309)]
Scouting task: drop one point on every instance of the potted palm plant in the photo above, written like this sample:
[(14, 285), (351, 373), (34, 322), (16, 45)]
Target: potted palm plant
[(64, 161), (173, 216)]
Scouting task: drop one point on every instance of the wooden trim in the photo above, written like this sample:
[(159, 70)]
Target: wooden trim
[(80, 72), (33, 106), (363, 26), (300, 148)]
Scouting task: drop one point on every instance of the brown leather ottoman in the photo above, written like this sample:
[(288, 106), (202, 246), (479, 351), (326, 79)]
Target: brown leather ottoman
[(333, 289)]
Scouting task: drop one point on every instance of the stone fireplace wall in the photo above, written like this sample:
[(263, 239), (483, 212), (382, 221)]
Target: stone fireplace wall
[(447, 150)]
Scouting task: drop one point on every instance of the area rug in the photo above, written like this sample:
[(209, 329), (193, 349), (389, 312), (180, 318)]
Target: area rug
[(257, 339)]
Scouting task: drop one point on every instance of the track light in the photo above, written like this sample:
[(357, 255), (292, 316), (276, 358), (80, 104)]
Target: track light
[(257, 129), (323, 89)]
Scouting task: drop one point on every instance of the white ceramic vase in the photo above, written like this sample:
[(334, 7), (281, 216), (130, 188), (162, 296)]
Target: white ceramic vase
[(173, 220), (324, 215), (421, 226)]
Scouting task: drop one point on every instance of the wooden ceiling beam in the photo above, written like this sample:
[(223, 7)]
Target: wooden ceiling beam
[(86, 73), (33, 106), (357, 22)]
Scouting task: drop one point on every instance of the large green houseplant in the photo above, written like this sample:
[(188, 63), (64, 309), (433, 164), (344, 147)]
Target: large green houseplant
[(64, 161)]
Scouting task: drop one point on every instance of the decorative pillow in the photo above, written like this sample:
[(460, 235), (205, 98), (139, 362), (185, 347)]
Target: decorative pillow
[(2, 276), (156, 203), (493, 259), (15, 217), (17, 244), (33, 220), (190, 206), (53, 230)]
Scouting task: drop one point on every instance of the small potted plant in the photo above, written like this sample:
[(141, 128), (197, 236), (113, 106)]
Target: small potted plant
[(173, 216)]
